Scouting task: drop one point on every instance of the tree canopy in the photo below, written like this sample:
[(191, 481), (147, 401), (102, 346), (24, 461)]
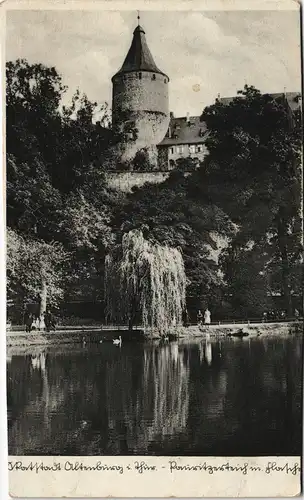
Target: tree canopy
[(253, 171), (56, 189), (235, 217), (170, 215)]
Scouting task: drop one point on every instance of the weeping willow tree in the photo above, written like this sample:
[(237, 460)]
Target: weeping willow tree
[(145, 281)]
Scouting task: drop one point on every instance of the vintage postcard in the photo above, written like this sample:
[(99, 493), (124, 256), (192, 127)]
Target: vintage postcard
[(154, 248)]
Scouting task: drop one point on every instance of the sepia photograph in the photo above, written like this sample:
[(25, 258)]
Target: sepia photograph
[(154, 232)]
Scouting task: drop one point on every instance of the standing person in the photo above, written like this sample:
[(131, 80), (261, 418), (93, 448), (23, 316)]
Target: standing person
[(28, 322), (47, 321), (52, 321), (199, 317), (41, 322), (35, 323), (207, 317), (185, 317)]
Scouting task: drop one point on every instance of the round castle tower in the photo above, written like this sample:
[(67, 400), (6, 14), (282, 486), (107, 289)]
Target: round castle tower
[(140, 100)]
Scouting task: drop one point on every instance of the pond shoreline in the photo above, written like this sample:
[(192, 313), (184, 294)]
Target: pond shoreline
[(94, 334)]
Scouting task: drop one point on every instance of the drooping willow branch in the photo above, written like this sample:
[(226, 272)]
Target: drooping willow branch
[(147, 280)]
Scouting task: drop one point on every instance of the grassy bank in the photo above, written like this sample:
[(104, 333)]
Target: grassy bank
[(252, 329), (95, 335)]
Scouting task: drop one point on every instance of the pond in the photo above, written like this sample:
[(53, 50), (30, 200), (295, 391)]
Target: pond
[(223, 397)]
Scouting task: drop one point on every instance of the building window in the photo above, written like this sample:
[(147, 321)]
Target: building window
[(165, 81), (153, 76), (199, 148), (192, 149), (180, 149), (171, 151)]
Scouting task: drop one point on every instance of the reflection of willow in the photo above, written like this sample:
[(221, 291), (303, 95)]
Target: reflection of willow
[(166, 370), (160, 408)]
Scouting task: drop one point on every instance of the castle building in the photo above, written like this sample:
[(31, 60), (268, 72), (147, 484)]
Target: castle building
[(140, 100), (185, 138), (140, 112)]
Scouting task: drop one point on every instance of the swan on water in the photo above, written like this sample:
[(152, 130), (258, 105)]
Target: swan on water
[(117, 341)]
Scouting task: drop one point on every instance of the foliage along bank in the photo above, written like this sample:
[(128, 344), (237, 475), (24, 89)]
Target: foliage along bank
[(246, 191)]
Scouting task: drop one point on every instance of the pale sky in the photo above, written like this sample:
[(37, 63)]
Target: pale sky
[(215, 52)]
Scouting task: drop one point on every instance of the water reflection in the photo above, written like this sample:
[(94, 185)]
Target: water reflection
[(208, 352), (167, 372), (38, 362), (157, 408), (210, 398), (205, 352)]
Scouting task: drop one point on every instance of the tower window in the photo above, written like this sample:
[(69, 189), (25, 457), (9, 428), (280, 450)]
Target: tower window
[(165, 81), (153, 76)]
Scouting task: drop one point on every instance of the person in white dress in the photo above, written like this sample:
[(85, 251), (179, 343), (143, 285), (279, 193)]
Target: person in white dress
[(35, 324), (207, 317), (41, 322)]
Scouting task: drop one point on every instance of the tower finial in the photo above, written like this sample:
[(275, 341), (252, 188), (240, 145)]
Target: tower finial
[(138, 18)]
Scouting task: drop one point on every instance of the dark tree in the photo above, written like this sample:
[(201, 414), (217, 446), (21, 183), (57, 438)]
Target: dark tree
[(56, 156), (253, 171), (171, 215)]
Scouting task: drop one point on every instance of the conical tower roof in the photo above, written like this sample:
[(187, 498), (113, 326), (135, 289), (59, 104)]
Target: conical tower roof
[(139, 57)]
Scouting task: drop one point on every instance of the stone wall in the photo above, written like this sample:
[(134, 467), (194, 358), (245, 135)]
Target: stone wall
[(125, 181)]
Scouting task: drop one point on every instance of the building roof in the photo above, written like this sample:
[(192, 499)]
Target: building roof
[(185, 130), (293, 99), (191, 130), (139, 57)]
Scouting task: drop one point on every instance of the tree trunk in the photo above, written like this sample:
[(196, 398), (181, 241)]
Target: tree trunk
[(43, 297), (132, 315)]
